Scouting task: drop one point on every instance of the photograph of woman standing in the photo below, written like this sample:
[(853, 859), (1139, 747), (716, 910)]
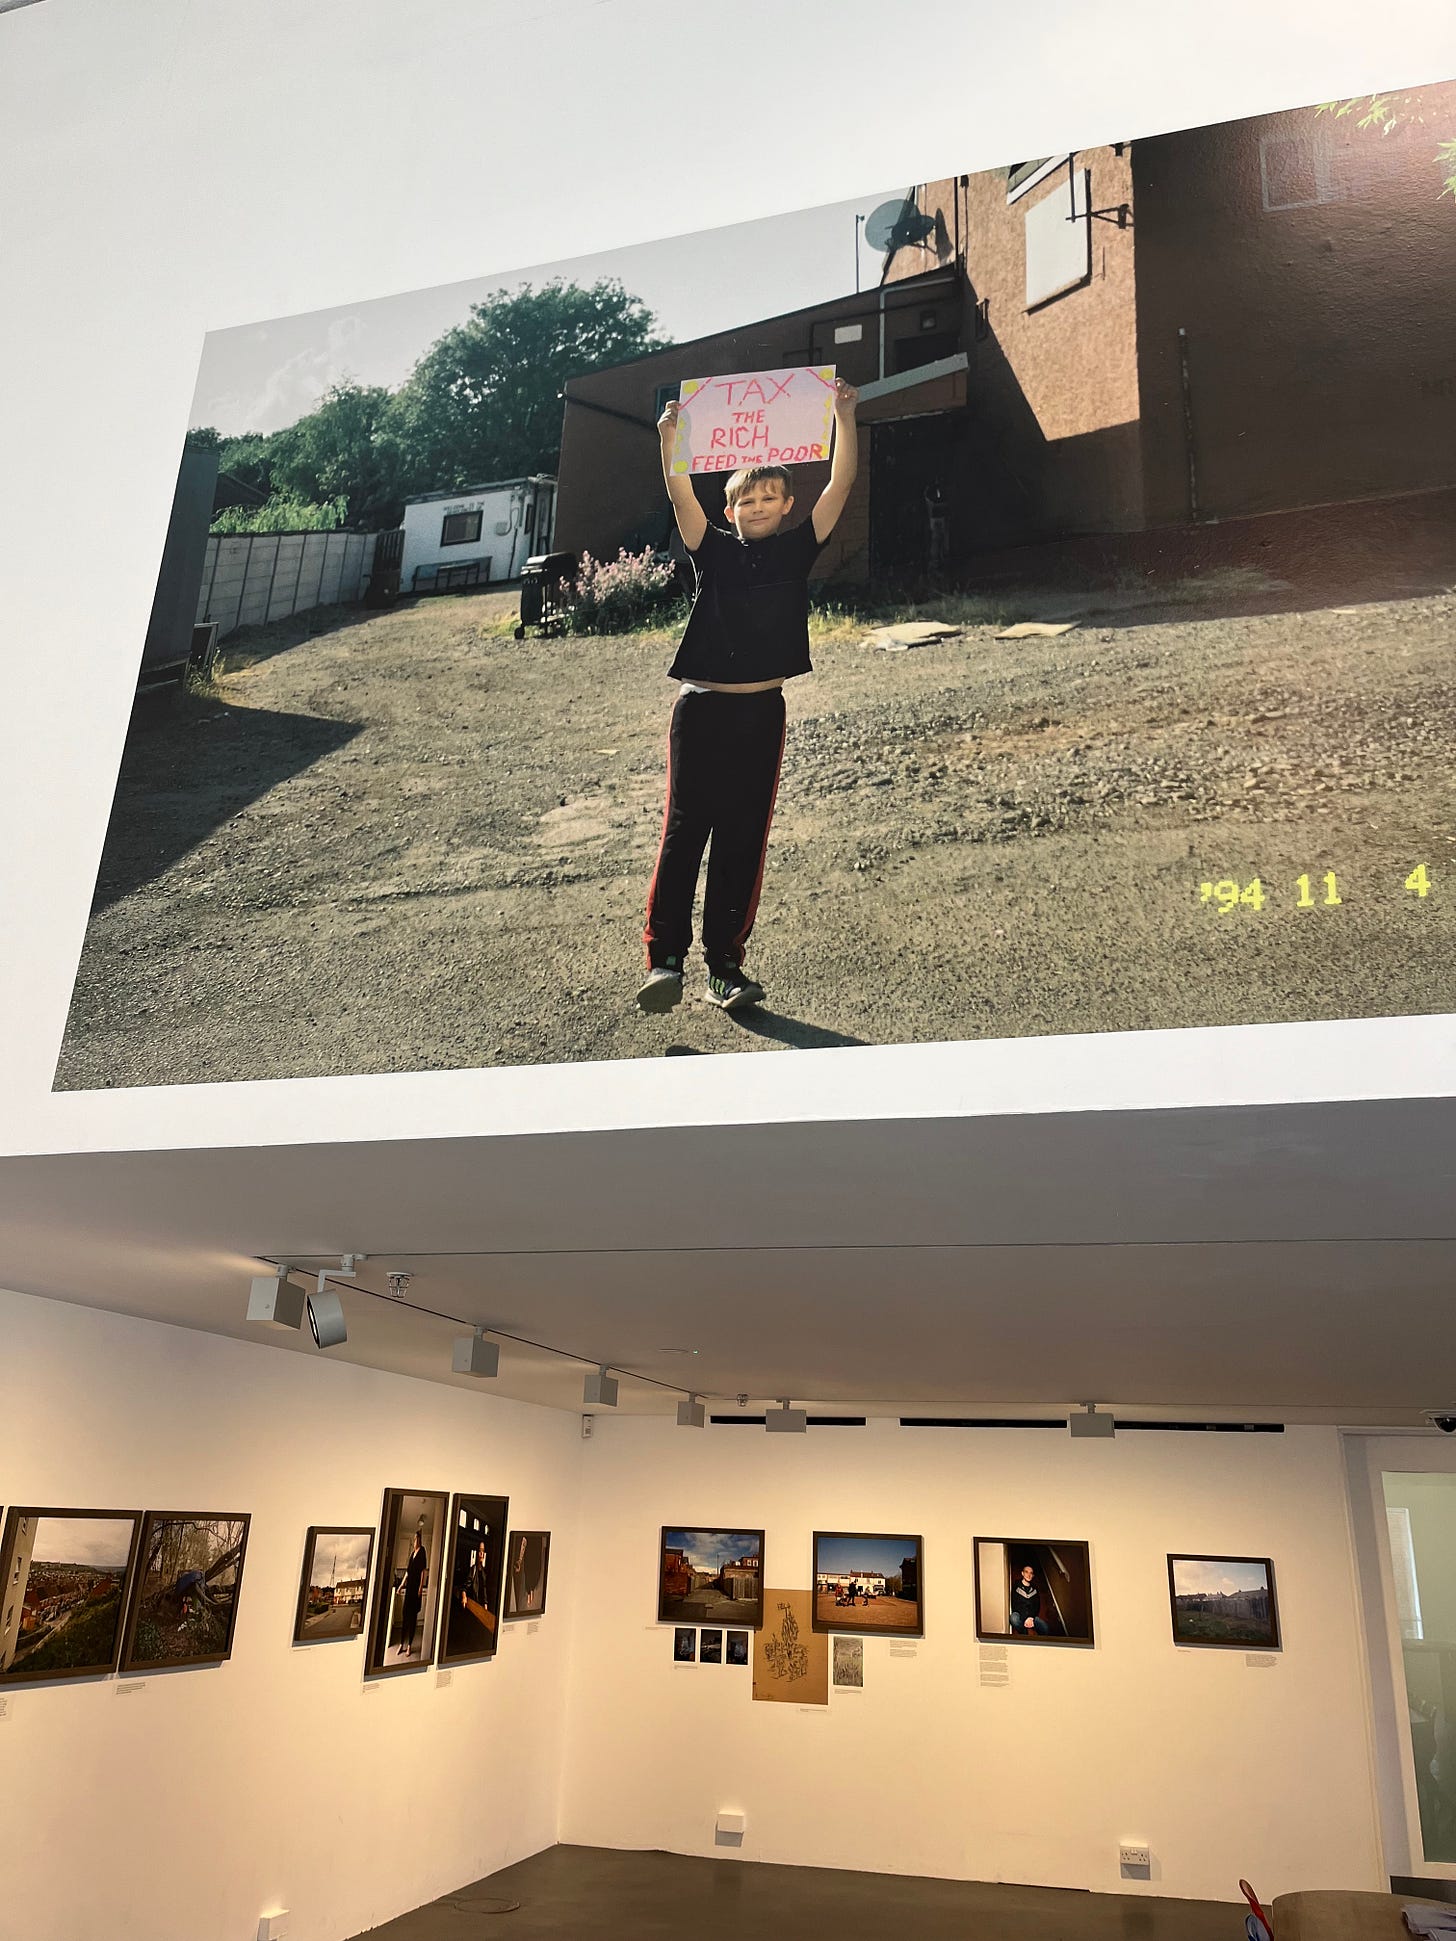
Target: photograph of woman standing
[(415, 1580)]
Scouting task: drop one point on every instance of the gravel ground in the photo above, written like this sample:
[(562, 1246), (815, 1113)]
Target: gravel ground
[(402, 842)]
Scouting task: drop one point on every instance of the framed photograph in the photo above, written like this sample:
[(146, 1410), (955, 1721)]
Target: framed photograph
[(737, 1647), (868, 1583), (65, 1576), (405, 1607), (189, 1577), (334, 1592), (528, 1558), (710, 1647), (710, 1577), (477, 1555), (684, 1645), (1227, 1602), (1034, 1591)]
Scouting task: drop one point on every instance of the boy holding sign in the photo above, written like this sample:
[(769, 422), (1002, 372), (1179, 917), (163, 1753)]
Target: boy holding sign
[(747, 634)]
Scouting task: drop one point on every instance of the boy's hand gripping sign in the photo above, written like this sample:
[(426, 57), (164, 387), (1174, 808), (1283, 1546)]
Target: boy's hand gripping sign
[(754, 418)]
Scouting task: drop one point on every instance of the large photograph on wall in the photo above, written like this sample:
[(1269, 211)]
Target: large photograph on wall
[(1034, 1591), (868, 1583), (335, 1585), (65, 1576), (406, 1602), (1050, 624), (471, 1625), (1226, 1601), (710, 1577), (189, 1578)]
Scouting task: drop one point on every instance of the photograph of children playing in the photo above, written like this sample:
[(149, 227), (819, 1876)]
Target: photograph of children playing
[(1100, 677)]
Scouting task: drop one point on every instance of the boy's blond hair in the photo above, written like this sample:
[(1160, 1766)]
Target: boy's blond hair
[(758, 475)]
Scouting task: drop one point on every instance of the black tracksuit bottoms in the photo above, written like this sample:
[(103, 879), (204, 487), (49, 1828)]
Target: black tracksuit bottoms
[(723, 757)]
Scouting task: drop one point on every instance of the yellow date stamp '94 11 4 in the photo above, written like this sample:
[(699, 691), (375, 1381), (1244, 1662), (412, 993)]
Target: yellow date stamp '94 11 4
[(1308, 892)]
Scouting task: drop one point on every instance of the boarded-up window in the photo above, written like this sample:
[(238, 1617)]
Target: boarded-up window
[(1059, 240), (460, 528), (1296, 171)]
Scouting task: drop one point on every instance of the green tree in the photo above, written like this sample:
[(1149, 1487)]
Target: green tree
[(1387, 112), (282, 512), (343, 450), (485, 400)]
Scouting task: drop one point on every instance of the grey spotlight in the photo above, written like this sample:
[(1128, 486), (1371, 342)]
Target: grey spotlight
[(474, 1355), (275, 1301), (691, 1414), (1092, 1424), (600, 1389), (785, 1421), (326, 1319)]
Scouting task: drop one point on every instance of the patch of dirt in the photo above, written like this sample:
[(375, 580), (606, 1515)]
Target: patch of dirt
[(402, 841)]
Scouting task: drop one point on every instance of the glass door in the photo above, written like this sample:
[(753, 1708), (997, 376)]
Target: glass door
[(1404, 1501)]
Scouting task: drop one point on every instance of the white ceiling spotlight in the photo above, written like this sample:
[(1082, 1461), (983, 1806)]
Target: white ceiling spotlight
[(1092, 1424), (599, 1390), (276, 1300), (326, 1316), (784, 1421), (474, 1355), (691, 1414)]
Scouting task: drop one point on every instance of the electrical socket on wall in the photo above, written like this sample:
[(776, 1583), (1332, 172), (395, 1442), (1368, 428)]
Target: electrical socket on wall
[(1131, 1857), (273, 1927)]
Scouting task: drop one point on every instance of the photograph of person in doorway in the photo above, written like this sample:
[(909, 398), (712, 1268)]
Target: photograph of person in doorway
[(747, 633), (1035, 1592)]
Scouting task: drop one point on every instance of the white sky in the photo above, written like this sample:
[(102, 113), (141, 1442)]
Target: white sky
[(335, 1559), (260, 377), (1197, 1575), (102, 1541)]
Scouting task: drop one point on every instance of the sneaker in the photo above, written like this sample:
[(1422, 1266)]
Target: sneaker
[(734, 991), (662, 990)]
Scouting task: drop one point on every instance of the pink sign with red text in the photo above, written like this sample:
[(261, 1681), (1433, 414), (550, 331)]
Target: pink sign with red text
[(755, 418)]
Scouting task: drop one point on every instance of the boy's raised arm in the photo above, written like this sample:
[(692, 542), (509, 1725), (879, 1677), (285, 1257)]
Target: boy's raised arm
[(692, 521), (844, 464)]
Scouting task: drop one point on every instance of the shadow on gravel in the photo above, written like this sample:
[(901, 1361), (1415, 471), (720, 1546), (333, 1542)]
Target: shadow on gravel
[(191, 766), (796, 1033)]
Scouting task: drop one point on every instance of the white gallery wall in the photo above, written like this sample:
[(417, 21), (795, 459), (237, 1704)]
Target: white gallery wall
[(181, 1806), (1223, 1768)]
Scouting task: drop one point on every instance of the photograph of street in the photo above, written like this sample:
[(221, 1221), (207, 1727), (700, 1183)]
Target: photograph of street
[(1224, 1601), (63, 1585), (710, 1577), (867, 1583), (189, 1577), (1133, 641), (335, 1585)]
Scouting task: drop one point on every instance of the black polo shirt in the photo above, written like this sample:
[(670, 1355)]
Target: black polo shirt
[(750, 617)]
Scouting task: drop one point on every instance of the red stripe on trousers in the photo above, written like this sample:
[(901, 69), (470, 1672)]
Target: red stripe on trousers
[(741, 940), (662, 844)]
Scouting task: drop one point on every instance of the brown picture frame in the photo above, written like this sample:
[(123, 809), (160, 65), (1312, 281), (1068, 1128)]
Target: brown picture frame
[(847, 1624), (509, 1613), (671, 1603), (10, 1533), (310, 1551), (1271, 1643), (487, 1616), (1083, 1550), (131, 1659), (381, 1603)]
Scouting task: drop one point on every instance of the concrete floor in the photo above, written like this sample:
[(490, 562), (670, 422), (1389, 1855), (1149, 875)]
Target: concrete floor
[(595, 1894)]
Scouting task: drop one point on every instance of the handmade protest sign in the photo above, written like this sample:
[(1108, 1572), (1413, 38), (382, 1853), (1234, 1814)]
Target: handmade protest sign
[(755, 418)]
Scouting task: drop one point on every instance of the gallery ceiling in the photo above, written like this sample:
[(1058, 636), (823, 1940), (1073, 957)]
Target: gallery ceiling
[(1297, 1261)]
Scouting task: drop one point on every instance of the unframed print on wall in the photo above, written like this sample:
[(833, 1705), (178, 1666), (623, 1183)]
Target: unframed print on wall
[(1172, 762)]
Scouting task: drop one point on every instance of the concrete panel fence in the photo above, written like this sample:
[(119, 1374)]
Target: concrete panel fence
[(251, 578)]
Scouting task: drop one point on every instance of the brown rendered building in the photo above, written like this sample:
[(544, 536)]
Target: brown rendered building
[(1170, 333)]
